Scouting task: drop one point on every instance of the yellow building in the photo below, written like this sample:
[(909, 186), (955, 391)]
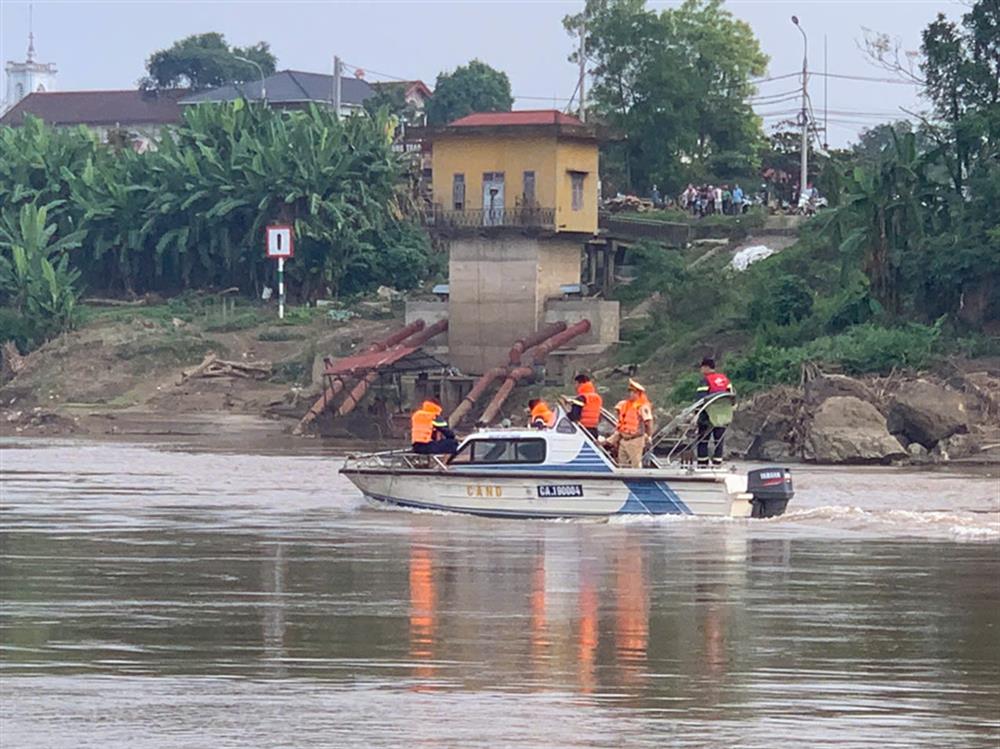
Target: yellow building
[(528, 168)]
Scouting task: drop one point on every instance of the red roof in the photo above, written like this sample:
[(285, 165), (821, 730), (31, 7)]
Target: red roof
[(129, 107), (520, 117)]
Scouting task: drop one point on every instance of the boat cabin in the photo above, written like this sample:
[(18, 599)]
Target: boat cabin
[(565, 447)]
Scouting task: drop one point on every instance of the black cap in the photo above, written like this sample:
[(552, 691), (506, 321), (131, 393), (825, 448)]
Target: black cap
[(581, 377), (709, 362)]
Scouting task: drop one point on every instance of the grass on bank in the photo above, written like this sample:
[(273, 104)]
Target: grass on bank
[(765, 323)]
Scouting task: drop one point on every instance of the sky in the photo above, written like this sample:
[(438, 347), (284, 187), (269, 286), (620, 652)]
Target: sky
[(104, 44)]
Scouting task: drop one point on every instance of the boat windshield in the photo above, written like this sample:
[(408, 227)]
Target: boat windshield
[(489, 451)]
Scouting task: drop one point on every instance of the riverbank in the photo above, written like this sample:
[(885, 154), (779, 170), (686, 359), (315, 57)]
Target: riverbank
[(242, 378), (170, 369)]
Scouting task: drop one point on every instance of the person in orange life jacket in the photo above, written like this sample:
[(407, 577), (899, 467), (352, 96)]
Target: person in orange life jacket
[(585, 407), (429, 431), (635, 426), (713, 382), (542, 416)]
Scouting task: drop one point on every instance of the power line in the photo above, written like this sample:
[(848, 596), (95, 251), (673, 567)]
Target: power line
[(763, 97), (775, 77), (868, 78), (844, 76)]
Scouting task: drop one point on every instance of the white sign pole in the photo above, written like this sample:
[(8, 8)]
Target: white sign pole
[(281, 288), (280, 245)]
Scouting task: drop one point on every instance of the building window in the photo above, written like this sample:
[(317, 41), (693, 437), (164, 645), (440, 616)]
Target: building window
[(577, 178), (529, 189), (458, 192)]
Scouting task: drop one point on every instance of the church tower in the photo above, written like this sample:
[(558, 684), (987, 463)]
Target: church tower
[(26, 77)]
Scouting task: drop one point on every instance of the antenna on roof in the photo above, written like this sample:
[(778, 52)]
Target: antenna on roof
[(31, 33)]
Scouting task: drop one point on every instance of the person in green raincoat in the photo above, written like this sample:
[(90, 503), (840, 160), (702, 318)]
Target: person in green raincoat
[(714, 419)]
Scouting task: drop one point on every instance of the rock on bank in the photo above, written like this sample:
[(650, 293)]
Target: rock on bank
[(839, 419)]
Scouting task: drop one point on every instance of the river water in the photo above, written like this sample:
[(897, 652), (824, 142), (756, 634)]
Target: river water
[(162, 596)]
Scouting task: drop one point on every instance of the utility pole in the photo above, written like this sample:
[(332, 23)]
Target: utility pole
[(583, 69), (337, 72), (804, 114), (263, 85), (826, 117)]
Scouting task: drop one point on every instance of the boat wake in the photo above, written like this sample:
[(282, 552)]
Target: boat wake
[(954, 524)]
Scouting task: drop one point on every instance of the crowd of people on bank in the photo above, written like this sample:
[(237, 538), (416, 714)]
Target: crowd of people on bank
[(634, 426), (708, 200)]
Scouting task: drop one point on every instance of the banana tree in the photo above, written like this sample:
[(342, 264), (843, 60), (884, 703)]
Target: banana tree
[(35, 274), (882, 217)]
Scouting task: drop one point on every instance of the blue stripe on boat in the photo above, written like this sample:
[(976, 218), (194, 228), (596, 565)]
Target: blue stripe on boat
[(647, 497)]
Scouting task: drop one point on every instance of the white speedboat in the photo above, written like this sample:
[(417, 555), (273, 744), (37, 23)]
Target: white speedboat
[(560, 473)]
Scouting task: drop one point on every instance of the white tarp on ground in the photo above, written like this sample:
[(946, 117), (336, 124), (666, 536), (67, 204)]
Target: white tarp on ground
[(749, 255)]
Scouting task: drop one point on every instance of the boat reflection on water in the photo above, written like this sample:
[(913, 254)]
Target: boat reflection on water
[(423, 611), (631, 600), (579, 621)]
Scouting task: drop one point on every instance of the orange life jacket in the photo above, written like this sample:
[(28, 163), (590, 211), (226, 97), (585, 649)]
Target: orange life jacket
[(422, 422), (592, 403), (542, 412), (629, 419)]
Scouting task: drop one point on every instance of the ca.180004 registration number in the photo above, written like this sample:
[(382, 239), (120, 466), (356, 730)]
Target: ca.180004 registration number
[(546, 491)]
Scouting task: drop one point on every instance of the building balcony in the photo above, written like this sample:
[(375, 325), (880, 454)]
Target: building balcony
[(533, 217)]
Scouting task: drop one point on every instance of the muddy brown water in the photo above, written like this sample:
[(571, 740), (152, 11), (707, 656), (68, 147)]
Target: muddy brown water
[(168, 596)]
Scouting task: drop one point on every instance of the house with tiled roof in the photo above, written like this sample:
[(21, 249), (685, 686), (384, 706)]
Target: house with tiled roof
[(139, 115), (529, 167), (290, 89), (514, 199)]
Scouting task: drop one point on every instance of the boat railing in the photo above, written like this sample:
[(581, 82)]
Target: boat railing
[(398, 459), (682, 433)]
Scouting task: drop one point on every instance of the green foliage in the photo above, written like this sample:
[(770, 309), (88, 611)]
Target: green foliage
[(780, 300), (862, 349), (191, 214), (206, 61), (391, 97), (35, 277), (21, 329), (676, 82), (475, 87), (685, 388)]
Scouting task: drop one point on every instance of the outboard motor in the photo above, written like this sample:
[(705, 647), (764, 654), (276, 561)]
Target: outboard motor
[(771, 489)]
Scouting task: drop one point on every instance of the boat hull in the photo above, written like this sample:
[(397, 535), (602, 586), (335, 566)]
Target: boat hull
[(555, 495)]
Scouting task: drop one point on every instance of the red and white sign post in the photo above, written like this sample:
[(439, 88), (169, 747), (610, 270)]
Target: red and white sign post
[(280, 245)]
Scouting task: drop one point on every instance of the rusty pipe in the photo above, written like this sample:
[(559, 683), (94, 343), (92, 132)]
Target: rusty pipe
[(359, 390), (481, 386), (399, 336), (329, 393), (426, 334), (514, 357), (539, 336), (513, 377), (357, 393), (539, 353)]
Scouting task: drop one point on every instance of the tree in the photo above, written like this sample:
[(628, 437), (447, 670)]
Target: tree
[(392, 98), (884, 214), (475, 87), (676, 83), (205, 61), (35, 276), (190, 214)]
